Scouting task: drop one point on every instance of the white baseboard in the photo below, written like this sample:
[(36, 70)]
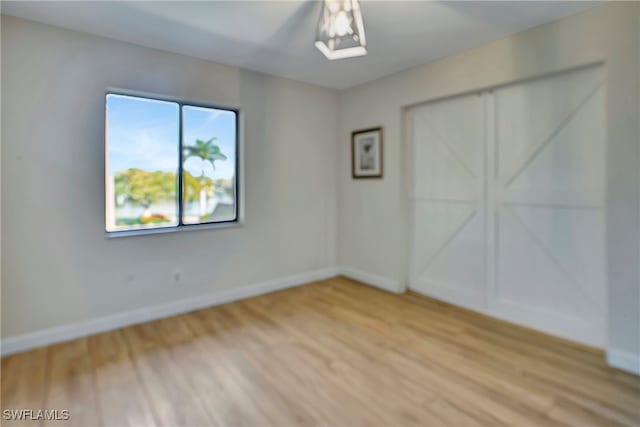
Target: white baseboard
[(384, 283), (624, 360), (57, 334)]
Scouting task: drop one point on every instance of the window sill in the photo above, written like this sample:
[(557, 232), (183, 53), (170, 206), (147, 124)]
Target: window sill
[(176, 229)]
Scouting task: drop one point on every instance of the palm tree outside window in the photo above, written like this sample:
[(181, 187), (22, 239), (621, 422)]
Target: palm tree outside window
[(168, 164)]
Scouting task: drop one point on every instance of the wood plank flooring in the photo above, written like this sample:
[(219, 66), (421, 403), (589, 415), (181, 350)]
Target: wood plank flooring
[(331, 353)]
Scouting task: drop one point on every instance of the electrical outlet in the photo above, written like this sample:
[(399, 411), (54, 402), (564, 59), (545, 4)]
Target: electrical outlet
[(177, 276)]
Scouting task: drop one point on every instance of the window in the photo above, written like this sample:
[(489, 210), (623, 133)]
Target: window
[(169, 164)]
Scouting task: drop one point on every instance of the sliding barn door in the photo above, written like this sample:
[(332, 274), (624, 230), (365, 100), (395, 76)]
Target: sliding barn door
[(508, 203), (448, 198)]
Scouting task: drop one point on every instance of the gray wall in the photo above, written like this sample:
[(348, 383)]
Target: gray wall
[(57, 266), (372, 224)]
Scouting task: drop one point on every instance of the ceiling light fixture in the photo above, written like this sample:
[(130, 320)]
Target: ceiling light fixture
[(340, 30)]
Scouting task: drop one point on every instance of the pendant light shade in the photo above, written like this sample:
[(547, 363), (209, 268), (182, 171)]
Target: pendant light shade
[(340, 29)]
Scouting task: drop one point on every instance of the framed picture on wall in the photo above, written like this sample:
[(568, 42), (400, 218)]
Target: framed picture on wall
[(366, 153)]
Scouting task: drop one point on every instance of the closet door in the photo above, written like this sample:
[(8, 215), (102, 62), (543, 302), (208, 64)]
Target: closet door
[(448, 201), (507, 203), (549, 180)]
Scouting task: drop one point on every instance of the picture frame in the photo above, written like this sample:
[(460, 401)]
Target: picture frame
[(367, 153)]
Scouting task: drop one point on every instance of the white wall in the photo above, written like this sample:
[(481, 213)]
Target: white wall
[(372, 225), (59, 270), (638, 332), (57, 266), (0, 177)]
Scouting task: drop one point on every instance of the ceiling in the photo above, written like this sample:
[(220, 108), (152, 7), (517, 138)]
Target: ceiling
[(276, 37)]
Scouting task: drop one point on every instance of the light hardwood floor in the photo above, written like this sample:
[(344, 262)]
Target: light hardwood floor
[(331, 353)]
